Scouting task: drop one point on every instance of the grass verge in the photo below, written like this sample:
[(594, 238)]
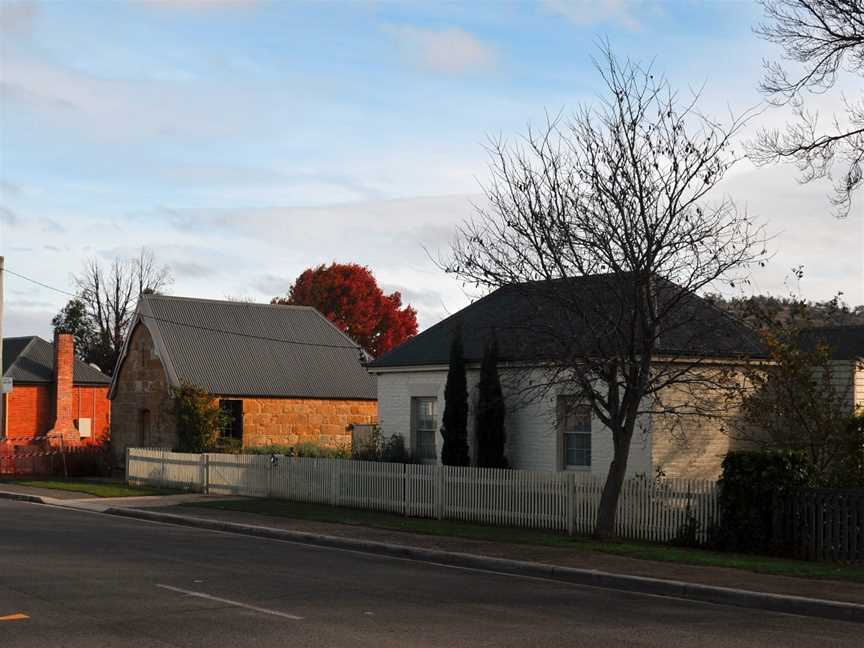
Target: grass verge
[(95, 488), (644, 551)]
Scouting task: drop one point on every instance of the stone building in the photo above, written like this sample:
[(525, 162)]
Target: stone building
[(284, 374)]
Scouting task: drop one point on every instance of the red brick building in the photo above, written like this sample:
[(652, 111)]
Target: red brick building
[(56, 401)]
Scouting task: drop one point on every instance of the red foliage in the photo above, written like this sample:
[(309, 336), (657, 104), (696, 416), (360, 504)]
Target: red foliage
[(348, 295)]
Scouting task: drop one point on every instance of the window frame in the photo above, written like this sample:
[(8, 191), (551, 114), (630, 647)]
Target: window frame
[(565, 402), (236, 422), (416, 430)]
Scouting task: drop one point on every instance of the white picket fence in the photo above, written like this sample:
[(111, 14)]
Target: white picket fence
[(654, 510)]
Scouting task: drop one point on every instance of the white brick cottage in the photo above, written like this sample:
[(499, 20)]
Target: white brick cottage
[(412, 377)]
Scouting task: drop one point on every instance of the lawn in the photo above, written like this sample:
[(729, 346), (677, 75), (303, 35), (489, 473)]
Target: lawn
[(93, 487), (645, 551)]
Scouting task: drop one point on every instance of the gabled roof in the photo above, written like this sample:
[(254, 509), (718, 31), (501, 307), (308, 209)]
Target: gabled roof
[(231, 348), (845, 342), (529, 322), (30, 360)]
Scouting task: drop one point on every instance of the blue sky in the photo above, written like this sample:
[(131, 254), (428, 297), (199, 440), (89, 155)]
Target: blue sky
[(244, 141)]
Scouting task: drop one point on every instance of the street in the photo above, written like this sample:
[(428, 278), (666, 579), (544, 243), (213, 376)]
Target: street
[(73, 578)]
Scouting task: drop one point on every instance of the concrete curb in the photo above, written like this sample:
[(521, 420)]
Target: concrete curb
[(837, 610), (22, 497)]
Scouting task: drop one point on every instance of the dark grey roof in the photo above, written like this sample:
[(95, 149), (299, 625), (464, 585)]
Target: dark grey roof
[(234, 348), (529, 322), (845, 342), (30, 360)]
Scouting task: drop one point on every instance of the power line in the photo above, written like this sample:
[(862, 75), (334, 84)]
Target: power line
[(39, 283), (248, 335), (197, 326)]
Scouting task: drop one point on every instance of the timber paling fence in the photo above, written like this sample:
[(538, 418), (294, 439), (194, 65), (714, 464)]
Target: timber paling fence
[(824, 524), (658, 511)]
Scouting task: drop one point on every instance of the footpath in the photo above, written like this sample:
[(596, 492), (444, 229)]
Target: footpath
[(812, 597)]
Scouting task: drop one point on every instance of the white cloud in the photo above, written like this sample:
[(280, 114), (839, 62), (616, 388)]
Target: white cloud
[(200, 5), (588, 12), (451, 51), (804, 232), (61, 97), (8, 217), (17, 17)]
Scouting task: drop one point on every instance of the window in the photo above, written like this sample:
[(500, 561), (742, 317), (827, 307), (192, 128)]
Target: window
[(234, 427), (425, 429), (144, 428), (575, 422)]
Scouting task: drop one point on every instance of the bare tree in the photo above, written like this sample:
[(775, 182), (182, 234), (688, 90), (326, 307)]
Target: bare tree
[(825, 37), (111, 293), (616, 196)]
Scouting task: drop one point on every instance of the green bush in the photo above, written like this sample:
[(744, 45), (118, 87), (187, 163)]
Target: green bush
[(199, 419), (271, 449), (752, 487), (376, 448), (306, 449), (850, 469)]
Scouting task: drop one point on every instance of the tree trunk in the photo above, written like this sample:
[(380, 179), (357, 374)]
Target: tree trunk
[(606, 512)]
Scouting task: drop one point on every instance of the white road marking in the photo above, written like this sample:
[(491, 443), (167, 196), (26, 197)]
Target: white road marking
[(254, 608)]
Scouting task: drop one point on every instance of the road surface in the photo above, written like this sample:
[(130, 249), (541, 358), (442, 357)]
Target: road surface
[(74, 578)]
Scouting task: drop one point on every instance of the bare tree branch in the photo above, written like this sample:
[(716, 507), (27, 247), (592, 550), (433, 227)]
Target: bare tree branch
[(111, 295), (824, 38)]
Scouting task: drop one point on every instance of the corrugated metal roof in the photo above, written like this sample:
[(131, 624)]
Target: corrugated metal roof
[(243, 349), (531, 320), (845, 342), (30, 360)]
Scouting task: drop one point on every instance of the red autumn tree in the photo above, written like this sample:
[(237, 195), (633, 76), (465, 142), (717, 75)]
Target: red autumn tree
[(348, 295)]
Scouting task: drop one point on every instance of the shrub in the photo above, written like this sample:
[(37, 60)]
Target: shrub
[(850, 471), (199, 419), (454, 429), (271, 449), (752, 486), (491, 411), (305, 449), (394, 450), (309, 449), (376, 448)]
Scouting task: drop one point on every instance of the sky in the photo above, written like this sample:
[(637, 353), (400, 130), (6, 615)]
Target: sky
[(244, 141)]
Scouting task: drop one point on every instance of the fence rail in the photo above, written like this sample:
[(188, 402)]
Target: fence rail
[(559, 501)]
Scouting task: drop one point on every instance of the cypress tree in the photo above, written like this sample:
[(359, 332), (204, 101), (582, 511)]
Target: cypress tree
[(489, 421), (454, 427)]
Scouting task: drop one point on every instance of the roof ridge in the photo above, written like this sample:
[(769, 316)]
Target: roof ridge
[(151, 296)]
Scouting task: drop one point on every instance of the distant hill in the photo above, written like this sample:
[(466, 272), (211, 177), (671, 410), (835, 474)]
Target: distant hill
[(761, 311)]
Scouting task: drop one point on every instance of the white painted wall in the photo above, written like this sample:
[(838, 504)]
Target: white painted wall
[(859, 385), (532, 442)]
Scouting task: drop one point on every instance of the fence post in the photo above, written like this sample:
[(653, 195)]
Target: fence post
[(127, 466), (571, 503), (204, 460), (438, 481), (162, 467), (269, 468), (334, 483), (405, 490)]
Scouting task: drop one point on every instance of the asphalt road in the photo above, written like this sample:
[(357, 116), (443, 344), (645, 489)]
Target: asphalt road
[(91, 580)]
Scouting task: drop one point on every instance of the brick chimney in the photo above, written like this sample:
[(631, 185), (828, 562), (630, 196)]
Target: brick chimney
[(64, 360)]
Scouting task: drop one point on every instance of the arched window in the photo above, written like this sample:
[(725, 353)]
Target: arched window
[(144, 428)]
